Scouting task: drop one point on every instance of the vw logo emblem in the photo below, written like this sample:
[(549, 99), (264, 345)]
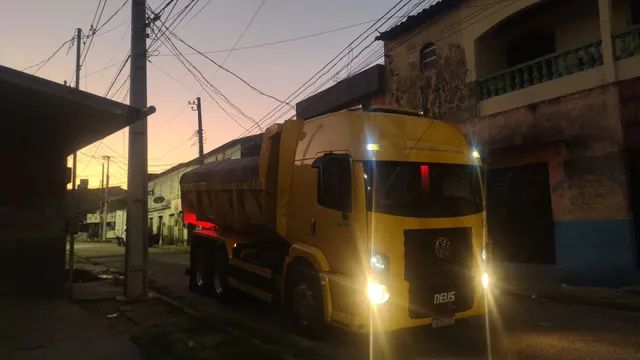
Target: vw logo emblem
[(442, 247)]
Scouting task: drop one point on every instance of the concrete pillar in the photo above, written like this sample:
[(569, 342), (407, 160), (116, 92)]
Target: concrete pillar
[(605, 10)]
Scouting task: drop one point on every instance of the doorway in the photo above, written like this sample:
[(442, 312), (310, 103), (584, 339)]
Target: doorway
[(519, 214)]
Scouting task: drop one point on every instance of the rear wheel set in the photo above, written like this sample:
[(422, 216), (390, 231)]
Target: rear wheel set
[(208, 275)]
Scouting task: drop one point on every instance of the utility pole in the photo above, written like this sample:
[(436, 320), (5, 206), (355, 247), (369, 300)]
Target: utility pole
[(105, 205), (198, 108), (75, 154), (101, 226), (137, 250), (74, 172)]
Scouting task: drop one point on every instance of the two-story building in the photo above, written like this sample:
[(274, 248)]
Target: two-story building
[(165, 209), (549, 92)]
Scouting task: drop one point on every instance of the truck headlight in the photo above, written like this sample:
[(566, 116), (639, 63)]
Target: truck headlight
[(379, 262), (378, 293), (485, 280)]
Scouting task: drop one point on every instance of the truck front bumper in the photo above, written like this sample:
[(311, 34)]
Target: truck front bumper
[(361, 315)]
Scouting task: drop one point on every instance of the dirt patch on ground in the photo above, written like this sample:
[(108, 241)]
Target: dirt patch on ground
[(165, 331)]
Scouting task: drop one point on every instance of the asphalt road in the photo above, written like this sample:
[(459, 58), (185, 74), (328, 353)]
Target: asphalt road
[(520, 327)]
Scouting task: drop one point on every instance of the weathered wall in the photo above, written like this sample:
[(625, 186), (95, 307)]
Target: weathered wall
[(580, 137), (442, 92)]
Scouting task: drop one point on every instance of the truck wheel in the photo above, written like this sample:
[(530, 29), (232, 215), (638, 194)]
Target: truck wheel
[(305, 306), (220, 285), (200, 274)]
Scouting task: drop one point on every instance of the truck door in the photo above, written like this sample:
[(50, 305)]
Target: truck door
[(330, 224)]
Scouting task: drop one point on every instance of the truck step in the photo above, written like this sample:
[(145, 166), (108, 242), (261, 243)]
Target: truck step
[(252, 268), (251, 290)]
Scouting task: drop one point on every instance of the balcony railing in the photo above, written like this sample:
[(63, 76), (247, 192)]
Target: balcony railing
[(540, 70), (627, 43)]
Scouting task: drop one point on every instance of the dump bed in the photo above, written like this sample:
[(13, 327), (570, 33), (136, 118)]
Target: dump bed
[(247, 194)]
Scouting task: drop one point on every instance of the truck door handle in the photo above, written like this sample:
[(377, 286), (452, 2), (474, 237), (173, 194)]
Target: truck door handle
[(312, 227)]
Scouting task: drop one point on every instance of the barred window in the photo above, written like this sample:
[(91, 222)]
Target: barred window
[(428, 56)]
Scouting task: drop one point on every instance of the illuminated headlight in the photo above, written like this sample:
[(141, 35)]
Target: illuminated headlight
[(475, 154), (378, 293), (379, 262), (483, 255), (485, 280)]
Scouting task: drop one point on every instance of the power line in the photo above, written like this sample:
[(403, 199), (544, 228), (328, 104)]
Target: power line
[(111, 29), (115, 13), (329, 65), (159, 12), (277, 42), (120, 87), (96, 27), (202, 85), (92, 31), (120, 41), (170, 22), (124, 63), (198, 12), (244, 31), (332, 63), (95, 151), (203, 82), (229, 71), (44, 62), (95, 14), (101, 70)]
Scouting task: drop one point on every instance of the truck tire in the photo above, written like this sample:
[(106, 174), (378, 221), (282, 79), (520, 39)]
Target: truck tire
[(200, 275), (304, 302), (220, 288)]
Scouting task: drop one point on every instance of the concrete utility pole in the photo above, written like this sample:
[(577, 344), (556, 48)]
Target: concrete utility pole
[(75, 155), (105, 205), (74, 172), (198, 108), (100, 226), (137, 251)]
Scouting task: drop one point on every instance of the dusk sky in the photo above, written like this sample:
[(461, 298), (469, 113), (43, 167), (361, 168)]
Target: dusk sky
[(31, 30)]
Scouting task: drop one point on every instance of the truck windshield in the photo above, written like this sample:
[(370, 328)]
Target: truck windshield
[(416, 189)]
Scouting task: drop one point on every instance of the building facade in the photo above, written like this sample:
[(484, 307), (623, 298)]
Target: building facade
[(549, 91), (165, 207)]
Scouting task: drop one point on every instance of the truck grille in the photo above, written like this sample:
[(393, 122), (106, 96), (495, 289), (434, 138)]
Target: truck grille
[(438, 261)]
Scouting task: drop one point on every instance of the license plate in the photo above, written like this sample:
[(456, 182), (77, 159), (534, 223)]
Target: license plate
[(443, 321)]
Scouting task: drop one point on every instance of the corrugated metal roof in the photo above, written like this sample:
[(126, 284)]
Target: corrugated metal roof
[(413, 21)]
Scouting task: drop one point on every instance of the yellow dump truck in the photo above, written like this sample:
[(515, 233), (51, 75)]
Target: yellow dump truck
[(369, 220)]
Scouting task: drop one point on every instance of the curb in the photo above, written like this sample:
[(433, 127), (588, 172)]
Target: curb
[(630, 305)]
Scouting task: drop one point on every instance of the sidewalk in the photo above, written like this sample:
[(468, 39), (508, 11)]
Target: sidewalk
[(58, 329), (626, 299)]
